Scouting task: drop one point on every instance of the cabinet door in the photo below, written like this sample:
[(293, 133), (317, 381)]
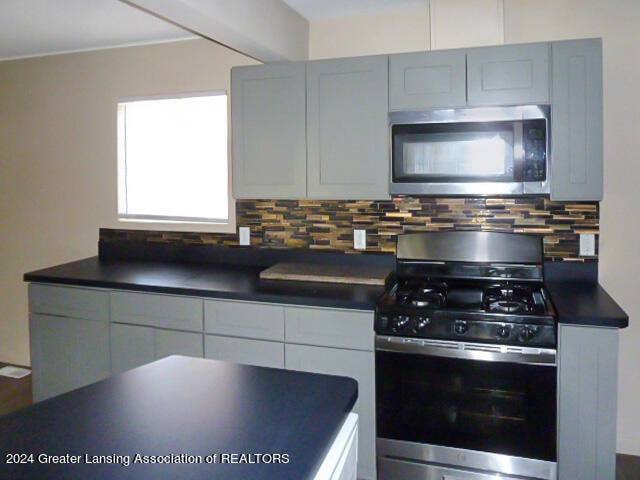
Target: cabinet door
[(350, 363), (268, 121), (576, 142), (67, 353), (347, 137), (132, 345), (588, 385), (424, 80), (243, 350), (508, 75)]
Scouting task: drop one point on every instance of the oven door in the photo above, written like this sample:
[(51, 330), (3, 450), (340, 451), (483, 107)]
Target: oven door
[(489, 402)]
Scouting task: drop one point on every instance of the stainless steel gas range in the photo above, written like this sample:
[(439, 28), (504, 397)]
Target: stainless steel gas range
[(466, 360)]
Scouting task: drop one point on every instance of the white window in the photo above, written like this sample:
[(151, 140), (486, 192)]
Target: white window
[(173, 161)]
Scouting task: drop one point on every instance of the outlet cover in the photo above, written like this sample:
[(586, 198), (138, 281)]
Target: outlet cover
[(587, 244), (245, 235), (360, 239)]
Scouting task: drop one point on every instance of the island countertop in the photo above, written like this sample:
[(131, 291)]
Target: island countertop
[(169, 414)]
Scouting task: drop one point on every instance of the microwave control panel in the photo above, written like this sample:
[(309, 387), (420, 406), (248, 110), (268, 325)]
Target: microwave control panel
[(535, 151)]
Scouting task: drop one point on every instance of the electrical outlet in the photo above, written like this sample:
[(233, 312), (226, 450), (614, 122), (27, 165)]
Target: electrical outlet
[(245, 235), (587, 244), (360, 239)]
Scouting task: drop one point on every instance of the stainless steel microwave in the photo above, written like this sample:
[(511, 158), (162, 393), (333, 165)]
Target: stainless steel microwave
[(471, 151)]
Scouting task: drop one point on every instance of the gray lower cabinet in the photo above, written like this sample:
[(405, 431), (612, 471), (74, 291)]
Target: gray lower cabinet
[(576, 143), (311, 338), (268, 121), (347, 128), (244, 332), (260, 353), (133, 345), (80, 336), (69, 330), (146, 327), (587, 388), (156, 310)]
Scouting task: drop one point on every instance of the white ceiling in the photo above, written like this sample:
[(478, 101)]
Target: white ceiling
[(42, 27), (319, 9)]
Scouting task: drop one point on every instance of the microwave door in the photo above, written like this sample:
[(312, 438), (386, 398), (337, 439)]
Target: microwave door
[(468, 156)]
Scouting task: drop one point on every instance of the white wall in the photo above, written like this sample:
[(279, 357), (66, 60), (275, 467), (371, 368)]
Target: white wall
[(616, 21), (58, 154), (402, 31)]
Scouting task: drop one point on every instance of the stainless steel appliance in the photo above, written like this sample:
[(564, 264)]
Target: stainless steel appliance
[(471, 151), (465, 356)]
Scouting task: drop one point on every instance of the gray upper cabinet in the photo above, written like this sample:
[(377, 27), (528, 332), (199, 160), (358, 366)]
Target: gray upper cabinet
[(576, 147), (424, 80), (347, 137), (508, 75), (311, 130), (268, 121), (485, 76)]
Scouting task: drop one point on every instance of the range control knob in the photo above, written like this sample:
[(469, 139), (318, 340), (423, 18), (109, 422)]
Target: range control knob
[(461, 327), (526, 333), (422, 322), (401, 322), (504, 331)]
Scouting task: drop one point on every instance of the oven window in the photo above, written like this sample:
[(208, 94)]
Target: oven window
[(505, 408)]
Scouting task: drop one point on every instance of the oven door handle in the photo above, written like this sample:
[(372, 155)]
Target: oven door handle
[(467, 351)]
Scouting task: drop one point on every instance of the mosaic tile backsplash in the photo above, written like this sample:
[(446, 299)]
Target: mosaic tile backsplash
[(329, 224)]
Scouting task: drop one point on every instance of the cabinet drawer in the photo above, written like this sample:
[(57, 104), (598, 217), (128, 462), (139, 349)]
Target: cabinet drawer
[(330, 328), (242, 350), (69, 301), (240, 319), (180, 313)]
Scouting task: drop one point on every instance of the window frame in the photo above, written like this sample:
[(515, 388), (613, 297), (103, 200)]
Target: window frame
[(188, 224)]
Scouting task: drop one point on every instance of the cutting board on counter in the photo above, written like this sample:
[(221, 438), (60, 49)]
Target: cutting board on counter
[(313, 272)]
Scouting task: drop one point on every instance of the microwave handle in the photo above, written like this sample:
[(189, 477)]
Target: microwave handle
[(518, 151)]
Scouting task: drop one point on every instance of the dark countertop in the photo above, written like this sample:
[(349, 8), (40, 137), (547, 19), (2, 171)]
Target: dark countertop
[(182, 406), (576, 302), (586, 303), (238, 282)]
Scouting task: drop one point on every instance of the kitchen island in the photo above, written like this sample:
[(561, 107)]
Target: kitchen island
[(182, 417)]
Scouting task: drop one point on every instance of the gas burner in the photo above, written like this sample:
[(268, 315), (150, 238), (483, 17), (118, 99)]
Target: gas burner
[(419, 293), (508, 299), (429, 297), (506, 306)]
